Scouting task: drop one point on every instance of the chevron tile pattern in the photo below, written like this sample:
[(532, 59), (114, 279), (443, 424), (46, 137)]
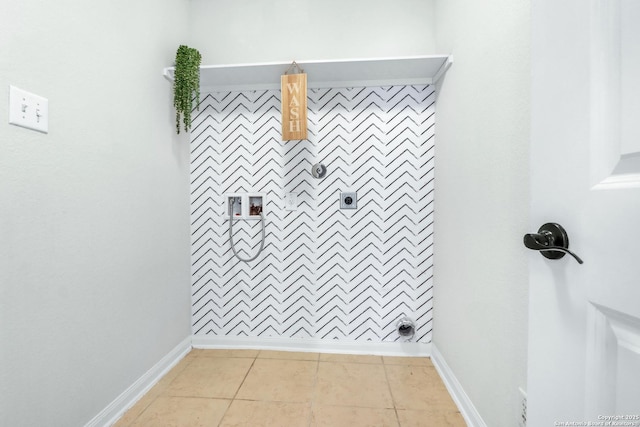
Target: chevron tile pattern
[(325, 273)]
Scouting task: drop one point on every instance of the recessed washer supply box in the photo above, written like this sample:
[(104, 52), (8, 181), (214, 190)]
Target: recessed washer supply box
[(244, 205)]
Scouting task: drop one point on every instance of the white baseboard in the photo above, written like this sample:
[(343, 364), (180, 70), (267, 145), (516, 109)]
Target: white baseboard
[(313, 345), (130, 396), (468, 411)]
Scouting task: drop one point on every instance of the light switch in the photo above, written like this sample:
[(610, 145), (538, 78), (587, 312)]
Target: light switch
[(28, 110), (291, 201)]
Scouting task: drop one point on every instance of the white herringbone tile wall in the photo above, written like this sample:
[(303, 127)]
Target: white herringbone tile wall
[(325, 273)]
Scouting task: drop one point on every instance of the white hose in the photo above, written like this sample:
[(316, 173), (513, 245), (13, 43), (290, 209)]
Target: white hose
[(233, 246)]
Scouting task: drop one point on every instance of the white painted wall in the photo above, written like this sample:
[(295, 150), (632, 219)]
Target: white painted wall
[(482, 201), (94, 216), (253, 31), (94, 240)]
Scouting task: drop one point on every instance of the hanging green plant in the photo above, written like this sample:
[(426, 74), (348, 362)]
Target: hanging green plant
[(186, 83)]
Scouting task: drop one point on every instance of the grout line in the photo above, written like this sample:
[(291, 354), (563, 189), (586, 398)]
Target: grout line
[(161, 391), (239, 387), (143, 410), (393, 399), (314, 393), (244, 379)]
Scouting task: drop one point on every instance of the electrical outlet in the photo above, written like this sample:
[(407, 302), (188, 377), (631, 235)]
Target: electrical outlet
[(348, 200), (522, 410)]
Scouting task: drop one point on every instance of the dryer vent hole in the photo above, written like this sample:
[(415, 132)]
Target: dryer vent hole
[(406, 328)]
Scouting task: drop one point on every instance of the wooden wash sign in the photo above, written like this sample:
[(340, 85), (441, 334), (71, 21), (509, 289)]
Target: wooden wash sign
[(294, 106)]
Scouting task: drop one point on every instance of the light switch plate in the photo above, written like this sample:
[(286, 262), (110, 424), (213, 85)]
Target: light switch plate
[(291, 201), (28, 110)]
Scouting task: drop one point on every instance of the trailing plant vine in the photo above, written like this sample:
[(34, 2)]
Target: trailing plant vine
[(186, 83)]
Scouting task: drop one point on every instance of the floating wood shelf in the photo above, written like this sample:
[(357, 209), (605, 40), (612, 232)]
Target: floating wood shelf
[(336, 73)]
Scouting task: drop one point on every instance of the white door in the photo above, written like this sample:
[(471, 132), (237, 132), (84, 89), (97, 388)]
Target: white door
[(584, 330)]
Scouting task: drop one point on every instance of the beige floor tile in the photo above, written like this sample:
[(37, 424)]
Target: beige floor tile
[(164, 382), (182, 412), (349, 416), (279, 380), (210, 377), (287, 355), (226, 353), (412, 361), (187, 357), (352, 384), (350, 358), (133, 413), (418, 388), (258, 414), (154, 392), (430, 419)]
